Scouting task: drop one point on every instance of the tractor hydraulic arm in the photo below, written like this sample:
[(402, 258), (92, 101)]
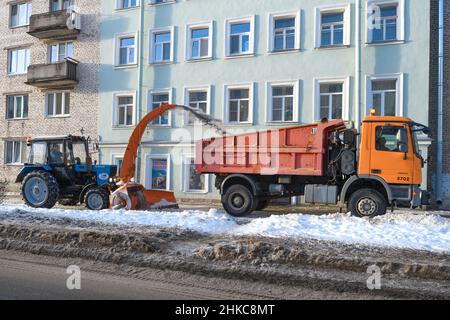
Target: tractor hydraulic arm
[(128, 169)]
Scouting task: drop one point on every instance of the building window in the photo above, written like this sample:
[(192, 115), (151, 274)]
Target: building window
[(332, 26), (124, 110), (60, 51), (20, 14), (158, 172), (16, 107), (14, 152), (126, 51), (385, 21), (161, 45), (331, 99), (240, 36), (118, 161), (197, 98), (156, 99), (239, 104), (18, 61), (126, 4), (58, 104), (282, 102), (199, 41), (284, 32), (161, 1), (385, 95), (57, 5), (192, 181)]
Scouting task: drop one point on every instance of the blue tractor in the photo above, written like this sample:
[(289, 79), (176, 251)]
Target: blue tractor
[(60, 169)]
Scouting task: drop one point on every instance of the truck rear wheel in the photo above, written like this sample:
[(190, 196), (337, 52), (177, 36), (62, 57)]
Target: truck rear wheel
[(367, 203), (97, 199), (40, 190), (238, 201)]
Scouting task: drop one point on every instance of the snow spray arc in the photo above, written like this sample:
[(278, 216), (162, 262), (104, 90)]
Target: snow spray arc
[(204, 118)]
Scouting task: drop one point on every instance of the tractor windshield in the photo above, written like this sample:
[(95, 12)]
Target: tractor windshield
[(79, 152)]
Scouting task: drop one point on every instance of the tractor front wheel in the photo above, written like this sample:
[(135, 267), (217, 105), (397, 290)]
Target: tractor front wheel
[(40, 190), (97, 199)]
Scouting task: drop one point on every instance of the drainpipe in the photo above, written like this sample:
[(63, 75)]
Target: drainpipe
[(140, 84), (358, 63), (440, 112)]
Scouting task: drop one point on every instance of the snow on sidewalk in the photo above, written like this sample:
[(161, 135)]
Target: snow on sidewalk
[(402, 229)]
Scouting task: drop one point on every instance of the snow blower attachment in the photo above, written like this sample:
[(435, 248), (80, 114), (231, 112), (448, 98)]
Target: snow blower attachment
[(131, 195)]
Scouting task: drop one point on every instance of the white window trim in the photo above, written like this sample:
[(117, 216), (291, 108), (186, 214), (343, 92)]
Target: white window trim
[(28, 13), (117, 39), (400, 21), (118, 6), (21, 150), (152, 32), (188, 38), (345, 99), (49, 49), (148, 170), (227, 43), (251, 88), (150, 94), (399, 77), (27, 60), (15, 96), (271, 25), (116, 96), (184, 182), (115, 157), (186, 92), (346, 8), (269, 100), (64, 115)]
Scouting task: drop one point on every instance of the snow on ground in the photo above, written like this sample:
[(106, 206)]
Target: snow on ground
[(402, 229)]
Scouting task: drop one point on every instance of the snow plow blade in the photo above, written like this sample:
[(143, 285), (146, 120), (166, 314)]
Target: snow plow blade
[(133, 196)]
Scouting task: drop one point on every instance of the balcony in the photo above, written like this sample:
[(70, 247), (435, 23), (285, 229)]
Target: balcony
[(53, 75), (58, 25)]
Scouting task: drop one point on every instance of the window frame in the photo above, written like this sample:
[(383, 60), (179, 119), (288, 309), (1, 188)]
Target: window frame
[(338, 8), (227, 88), (9, 60), (63, 107), (49, 48), (117, 39), (184, 176), (400, 21), (345, 96), (154, 3), (116, 96), (148, 170), (15, 96), (269, 100), (150, 95), (227, 41), (152, 33), (115, 157), (271, 30), (119, 5), (399, 77), (189, 40), (29, 13), (60, 5), (21, 155), (189, 89)]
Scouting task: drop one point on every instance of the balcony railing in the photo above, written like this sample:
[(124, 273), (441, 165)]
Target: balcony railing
[(53, 75), (64, 24)]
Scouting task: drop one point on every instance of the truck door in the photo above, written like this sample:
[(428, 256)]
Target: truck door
[(392, 155)]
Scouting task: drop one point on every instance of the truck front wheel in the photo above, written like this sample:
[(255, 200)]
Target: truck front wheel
[(238, 201), (367, 203)]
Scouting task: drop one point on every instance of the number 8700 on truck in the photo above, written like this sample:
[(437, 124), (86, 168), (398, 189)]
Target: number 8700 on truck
[(321, 162)]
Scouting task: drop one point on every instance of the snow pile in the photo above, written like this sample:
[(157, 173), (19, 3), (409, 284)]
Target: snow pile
[(404, 229)]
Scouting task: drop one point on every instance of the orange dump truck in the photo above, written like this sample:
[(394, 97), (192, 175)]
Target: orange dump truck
[(321, 162)]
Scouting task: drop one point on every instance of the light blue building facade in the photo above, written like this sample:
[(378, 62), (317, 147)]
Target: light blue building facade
[(253, 65)]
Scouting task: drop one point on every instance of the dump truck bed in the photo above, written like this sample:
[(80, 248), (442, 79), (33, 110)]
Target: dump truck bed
[(296, 150)]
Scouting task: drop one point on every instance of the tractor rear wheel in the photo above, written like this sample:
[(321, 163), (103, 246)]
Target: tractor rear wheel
[(40, 190), (367, 203), (97, 199), (238, 201)]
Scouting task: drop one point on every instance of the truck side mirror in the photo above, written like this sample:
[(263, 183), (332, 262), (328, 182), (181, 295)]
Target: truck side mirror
[(404, 148)]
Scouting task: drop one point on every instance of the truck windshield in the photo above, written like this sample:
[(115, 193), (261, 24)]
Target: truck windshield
[(416, 131)]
